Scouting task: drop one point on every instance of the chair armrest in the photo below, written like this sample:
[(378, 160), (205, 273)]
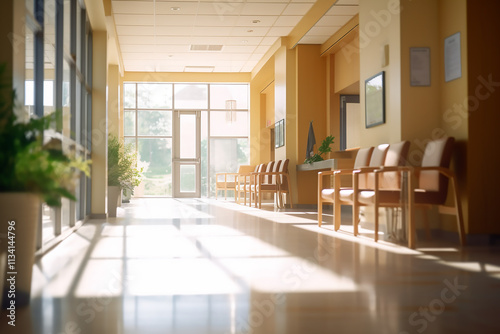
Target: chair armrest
[(443, 170)]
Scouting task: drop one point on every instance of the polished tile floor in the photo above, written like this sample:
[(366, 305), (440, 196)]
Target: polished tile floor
[(205, 266)]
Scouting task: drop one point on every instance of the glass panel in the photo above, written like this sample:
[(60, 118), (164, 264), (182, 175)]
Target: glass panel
[(29, 91), (191, 96), (78, 35), (130, 141), (228, 123), (204, 153), (154, 95), (65, 212), (49, 56), (48, 223), (66, 102), (187, 138), (129, 123), (30, 5), (219, 94), (67, 26), (129, 95), (188, 178), (154, 123), (223, 158), (157, 154)]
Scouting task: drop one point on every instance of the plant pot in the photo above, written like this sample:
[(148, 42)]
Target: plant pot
[(126, 195), (113, 196), (24, 210)]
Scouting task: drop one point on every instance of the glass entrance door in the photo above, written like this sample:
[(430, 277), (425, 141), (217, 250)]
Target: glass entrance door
[(186, 159)]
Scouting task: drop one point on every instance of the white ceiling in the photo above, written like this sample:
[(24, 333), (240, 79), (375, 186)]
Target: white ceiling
[(157, 35)]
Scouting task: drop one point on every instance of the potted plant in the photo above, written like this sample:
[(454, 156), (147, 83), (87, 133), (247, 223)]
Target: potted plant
[(30, 172), (123, 172), (322, 150)]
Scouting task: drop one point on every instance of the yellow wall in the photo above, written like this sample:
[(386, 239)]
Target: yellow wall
[(379, 25), (311, 106), (420, 107), (258, 144), (347, 67), (285, 107), (452, 19)]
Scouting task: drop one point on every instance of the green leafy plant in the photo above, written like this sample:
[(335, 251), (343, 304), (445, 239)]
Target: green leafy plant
[(322, 150), (26, 164), (123, 170)]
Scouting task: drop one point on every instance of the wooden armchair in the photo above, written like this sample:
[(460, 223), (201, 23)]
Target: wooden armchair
[(227, 181), (432, 180), (328, 195), (244, 182)]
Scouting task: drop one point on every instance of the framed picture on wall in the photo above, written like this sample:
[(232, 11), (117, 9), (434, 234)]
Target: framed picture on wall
[(375, 100), (279, 133)]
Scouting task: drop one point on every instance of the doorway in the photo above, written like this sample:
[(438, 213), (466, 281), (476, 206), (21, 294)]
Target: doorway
[(349, 121), (186, 154)]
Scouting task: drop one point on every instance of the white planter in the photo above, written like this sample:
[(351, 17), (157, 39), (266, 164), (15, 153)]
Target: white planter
[(24, 210), (113, 197)]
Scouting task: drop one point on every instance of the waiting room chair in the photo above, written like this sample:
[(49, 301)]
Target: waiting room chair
[(432, 180), (227, 181), (327, 195)]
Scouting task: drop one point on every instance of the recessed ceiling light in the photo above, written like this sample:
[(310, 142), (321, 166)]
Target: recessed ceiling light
[(250, 30), (175, 9), (256, 21), (244, 41)]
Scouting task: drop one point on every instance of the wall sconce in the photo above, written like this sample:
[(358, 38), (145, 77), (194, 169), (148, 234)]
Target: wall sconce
[(231, 113)]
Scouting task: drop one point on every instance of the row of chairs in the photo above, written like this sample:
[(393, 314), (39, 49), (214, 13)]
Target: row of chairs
[(255, 181), (376, 181)]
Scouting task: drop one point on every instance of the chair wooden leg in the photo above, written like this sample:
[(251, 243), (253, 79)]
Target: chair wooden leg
[(320, 209), (460, 219), (355, 218), (336, 215), (289, 192)]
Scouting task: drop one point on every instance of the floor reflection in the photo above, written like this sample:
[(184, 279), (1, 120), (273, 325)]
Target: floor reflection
[(205, 266)]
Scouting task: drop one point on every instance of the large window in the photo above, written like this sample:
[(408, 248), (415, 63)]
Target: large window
[(148, 126), (58, 63)]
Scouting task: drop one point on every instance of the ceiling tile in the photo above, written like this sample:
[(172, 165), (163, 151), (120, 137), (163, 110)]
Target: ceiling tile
[(243, 40), (297, 8), (221, 8), (279, 31), (185, 7), (134, 20), (216, 21), (133, 7), (175, 20), (263, 8), (262, 49), (210, 31), (248, 20), (135, 47), (256, 56), (249, 31), (249, 49), (269, 40), (135, 31), (172, 48), (174, 31), (136, 40), (287, 21)]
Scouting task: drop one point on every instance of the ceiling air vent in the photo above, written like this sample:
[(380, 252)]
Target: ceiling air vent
[(200, 47)]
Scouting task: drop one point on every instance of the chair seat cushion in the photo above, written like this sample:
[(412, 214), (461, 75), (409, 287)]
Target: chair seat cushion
[(422, 196)]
